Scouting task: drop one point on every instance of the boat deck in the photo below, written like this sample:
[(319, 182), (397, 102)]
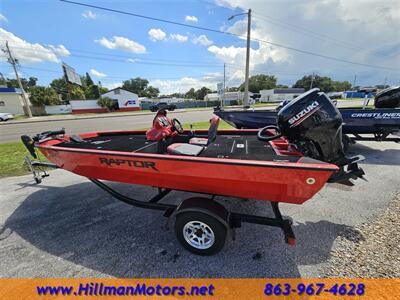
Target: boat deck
[(246, 147)]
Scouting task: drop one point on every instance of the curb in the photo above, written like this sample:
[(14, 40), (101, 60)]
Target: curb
[(27, 121)]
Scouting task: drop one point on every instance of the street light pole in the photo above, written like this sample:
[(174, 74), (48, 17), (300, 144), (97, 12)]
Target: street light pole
[(246, 80)]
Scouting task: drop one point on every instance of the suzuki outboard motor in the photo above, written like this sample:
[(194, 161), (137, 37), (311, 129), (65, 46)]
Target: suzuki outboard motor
[(314, 125)]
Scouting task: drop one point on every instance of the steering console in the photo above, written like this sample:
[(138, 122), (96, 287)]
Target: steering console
[(267, 138), (163, 127)]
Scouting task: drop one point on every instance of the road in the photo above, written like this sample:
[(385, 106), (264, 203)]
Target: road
[(12, 132), (68, 227)]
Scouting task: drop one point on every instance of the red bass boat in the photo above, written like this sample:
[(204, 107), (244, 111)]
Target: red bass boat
[(289, 163)]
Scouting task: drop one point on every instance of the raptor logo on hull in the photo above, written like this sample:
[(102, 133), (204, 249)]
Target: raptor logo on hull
[(129, 162)]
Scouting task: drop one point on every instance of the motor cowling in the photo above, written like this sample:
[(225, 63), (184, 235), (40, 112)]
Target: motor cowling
[(313, 123), (388, 98)]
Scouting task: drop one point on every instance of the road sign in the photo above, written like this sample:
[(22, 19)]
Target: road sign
[(220, 88), (71, 75)]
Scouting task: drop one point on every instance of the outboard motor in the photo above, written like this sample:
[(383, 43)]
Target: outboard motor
[(313, 123)]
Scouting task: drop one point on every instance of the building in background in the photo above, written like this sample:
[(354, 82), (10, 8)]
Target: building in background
[(11, 101), (279, 95), (126, 100), (357, 94), (123, 101)]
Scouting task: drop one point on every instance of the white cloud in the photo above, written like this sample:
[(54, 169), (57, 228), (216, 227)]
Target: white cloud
[(97, 73), (3, 18), (202, 40), (60, 50), (28, 53), (178, 37), (122, 43), (156, 34), (365, 31), (89, 15), (191, 19), (237, 55), (133, 60), (184, 84)]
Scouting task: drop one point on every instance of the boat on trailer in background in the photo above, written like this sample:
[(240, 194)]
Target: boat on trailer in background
[(288, 163), (359, 124)]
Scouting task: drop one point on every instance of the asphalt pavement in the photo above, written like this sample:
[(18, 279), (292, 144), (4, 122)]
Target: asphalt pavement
[(68, 227), (12, 131)]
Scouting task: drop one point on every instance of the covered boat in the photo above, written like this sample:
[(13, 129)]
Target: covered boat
[(381, 121)]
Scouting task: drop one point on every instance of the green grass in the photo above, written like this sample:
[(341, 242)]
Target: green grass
[(20, 117), (12, 154), (12, 159), (206, 125)]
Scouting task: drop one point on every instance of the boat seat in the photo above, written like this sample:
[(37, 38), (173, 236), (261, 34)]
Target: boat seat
[(184, 149), (198, 141), (212, 134)]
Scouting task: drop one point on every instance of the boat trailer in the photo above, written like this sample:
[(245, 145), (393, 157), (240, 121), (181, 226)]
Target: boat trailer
[(193, 207)]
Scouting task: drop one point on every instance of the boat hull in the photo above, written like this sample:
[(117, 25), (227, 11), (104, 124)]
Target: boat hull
[(355, 121), (280, 182)]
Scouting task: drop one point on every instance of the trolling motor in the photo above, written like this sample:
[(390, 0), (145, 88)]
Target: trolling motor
[(388, 98), (36, 167), (314, 125)]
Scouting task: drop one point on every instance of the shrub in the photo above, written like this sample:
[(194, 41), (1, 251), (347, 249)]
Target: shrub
[(106, 103)]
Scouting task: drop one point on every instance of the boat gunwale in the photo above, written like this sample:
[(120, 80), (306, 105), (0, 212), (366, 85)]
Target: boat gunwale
[(326, 167)]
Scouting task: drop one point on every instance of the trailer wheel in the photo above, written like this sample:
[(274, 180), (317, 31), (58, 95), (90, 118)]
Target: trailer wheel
[(200, 233)]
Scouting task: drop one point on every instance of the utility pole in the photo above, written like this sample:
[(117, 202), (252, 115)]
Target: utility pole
[(246, 82), (354, 85), (13, 62), (246, 79), (384, 84), (223, 94), (224, 79), (312, 80)]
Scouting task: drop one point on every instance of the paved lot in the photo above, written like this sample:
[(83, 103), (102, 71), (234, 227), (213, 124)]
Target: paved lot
[(12, 132), (67, 227)]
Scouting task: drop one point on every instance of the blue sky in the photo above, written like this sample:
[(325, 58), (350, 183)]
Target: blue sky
[(114, 47)]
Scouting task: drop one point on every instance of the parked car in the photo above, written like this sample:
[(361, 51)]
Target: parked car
[(6, 116), (160, 105)]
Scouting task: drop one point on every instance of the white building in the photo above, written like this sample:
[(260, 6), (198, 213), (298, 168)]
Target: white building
[(127, 100), (124, 101), (279, 95), (11, 101)]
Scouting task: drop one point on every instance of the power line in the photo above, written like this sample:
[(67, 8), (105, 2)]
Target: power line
[(146, 61), (289, 26), (228, 33), (306, 32)]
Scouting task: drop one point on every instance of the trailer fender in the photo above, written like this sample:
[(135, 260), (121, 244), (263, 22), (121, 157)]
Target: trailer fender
[(204, 205)]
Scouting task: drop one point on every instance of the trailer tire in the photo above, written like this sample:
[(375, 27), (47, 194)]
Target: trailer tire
[(209, 238)]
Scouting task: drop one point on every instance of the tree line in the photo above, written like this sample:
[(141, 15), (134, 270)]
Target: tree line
[(58, 91)]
